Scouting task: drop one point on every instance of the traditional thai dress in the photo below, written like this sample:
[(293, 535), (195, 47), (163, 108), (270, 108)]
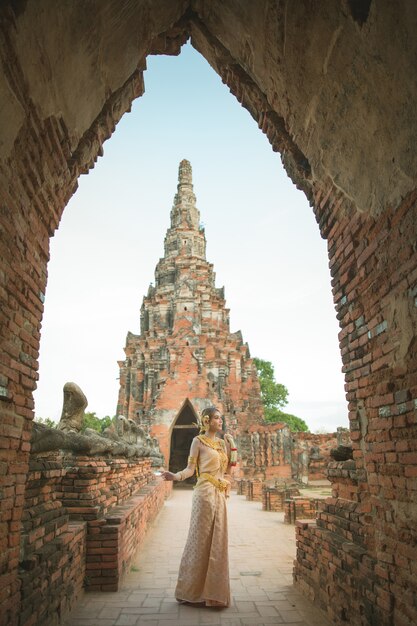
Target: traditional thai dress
[(204, 569)]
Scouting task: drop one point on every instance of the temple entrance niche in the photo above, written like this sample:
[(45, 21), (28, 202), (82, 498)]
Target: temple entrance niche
[(183, 432)]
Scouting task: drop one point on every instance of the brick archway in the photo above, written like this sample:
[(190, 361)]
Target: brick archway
[(333, 90)]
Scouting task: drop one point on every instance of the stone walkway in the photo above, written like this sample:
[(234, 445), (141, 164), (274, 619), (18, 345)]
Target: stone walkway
[(262, 550)]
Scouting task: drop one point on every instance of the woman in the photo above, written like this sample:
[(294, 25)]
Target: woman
[(204, 569)]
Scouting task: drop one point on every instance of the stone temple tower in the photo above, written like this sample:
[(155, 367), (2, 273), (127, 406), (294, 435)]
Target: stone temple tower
[(185, 357)]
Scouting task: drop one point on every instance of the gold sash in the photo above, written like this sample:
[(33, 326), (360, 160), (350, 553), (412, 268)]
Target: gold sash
[(220, 484)]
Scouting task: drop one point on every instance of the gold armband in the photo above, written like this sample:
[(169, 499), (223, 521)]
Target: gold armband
[(192, 460)]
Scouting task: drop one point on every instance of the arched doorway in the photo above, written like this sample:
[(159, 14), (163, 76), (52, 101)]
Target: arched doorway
[(183, 432)]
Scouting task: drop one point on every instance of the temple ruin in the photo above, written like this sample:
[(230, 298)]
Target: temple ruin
[(333, 87), (185, 357)]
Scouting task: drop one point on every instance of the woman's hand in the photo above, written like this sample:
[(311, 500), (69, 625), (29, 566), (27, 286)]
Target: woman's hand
[(168, 476)]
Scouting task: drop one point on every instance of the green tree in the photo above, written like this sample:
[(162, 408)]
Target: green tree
[(275, 396), (295, 423), (91, 420), (46, 421)]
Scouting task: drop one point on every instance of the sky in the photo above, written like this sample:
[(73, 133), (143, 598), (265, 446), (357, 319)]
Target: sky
[(261, 233)]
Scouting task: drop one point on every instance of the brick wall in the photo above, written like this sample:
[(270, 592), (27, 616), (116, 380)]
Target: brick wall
[(112, 541), (90, 486), (254, 490), (300, 507), (270, 451), (242, 486), (82, 522), (28, 219), (37, 180), (364, 569), (52, 565), (273, 498)]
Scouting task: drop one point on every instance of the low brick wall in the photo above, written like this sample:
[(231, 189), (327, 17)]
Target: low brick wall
[(112, 541), (273, 498), (300, 507), (254, 490), (242, 486), (344, 480), (82, 522), (52, 562), (91, 486), (322, 554), (52, 578), (338, 541)]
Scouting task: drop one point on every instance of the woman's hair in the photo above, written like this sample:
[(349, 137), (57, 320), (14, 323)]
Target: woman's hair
[(206, 416), (210, 411)]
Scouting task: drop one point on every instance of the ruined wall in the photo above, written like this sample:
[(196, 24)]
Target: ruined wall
[(265, 451), (83, 520), (53, 549), (271, 451), (300, 508), (369, 525), (311, 455), (333, 87), (273, 498), (51, 134), (328, 84)]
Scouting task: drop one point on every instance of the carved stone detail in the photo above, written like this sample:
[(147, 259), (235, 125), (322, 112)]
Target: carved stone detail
[(73, 409)]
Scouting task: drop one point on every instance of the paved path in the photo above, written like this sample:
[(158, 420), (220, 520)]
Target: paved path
[(262, 550)]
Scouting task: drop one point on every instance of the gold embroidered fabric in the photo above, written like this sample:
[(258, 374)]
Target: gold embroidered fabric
[(219, 446), (215, 444), (221, 485), (204, 570)]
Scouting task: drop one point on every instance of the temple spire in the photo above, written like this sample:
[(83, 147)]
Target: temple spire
[(185, 236), (184, 213), (185, 174)]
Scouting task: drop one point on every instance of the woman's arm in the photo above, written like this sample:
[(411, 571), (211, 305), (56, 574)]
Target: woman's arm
[(190, 469)]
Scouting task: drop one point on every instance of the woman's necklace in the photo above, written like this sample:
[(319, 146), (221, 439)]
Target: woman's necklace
[(215, 444), (218, 445)]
